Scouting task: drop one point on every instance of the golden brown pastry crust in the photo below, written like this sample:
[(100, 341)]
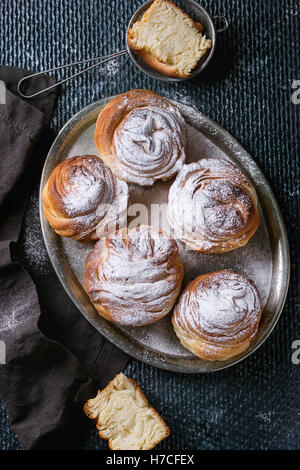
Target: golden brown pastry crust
[(134, 278), (130, 143), (82, 199), (133, 424), (153, 61), (217, 315), (212, 206)]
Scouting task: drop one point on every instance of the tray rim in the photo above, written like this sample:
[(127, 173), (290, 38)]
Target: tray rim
[(147, 356)]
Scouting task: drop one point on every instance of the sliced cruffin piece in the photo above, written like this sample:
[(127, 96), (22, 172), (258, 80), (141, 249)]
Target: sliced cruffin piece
[(168, 40), (124, 417)]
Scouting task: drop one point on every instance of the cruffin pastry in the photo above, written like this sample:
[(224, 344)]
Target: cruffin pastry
[(124, 417)]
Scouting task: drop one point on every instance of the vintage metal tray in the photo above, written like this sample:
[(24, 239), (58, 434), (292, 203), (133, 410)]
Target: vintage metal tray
[(265, 259)]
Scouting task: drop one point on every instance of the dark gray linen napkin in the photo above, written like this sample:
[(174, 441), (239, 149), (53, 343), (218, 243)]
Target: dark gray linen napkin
[(55, 362)]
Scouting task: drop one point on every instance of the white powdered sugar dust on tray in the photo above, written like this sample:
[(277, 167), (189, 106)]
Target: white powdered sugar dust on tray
[(34, 250), (254, 260)]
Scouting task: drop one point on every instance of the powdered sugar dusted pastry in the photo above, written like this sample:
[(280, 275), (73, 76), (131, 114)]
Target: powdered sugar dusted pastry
[(124, 417), (212, 206), (83, 200), (133, 278), (141, 137), (217, 315)]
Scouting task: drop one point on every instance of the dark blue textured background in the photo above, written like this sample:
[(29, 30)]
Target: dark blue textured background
[(247, 89)]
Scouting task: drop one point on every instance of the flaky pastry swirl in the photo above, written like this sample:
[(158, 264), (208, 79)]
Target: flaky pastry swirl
[(83, 200), (141, 137), (217, 315), (212, 206), (133, 278)]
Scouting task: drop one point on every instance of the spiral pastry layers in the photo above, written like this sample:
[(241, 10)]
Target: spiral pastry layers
[(83, 200), (141, 137), (217, 315), (212, 206), (133, 278)]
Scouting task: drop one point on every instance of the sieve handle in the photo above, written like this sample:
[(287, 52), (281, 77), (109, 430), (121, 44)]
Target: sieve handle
[(100, 60)]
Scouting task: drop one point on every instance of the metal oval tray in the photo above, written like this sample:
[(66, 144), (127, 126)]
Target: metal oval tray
[(265, 259)]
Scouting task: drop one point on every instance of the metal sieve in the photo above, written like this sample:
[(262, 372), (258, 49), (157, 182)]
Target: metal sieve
[(191, 7)]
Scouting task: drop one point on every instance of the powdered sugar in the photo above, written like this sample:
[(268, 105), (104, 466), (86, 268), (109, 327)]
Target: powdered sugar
[(87, 193), (221, 308), (34, 250), (149, 144), (112, 67), (253, 260), (82, 196), (211, 205)]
